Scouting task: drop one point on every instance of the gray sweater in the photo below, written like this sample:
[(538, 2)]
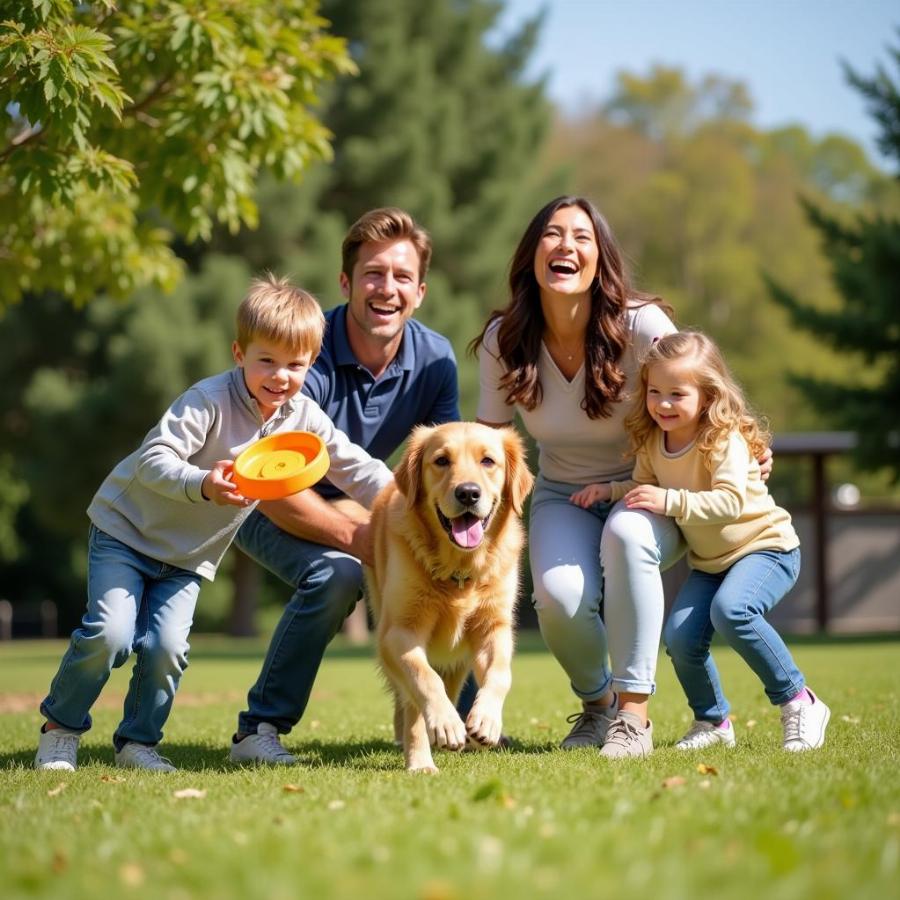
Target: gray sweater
[(152, 502)]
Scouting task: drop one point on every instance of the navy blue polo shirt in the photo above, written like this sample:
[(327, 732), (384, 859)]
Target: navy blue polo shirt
[(419, 387)]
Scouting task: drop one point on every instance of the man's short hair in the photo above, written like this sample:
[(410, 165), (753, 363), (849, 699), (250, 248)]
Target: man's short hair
[(385, 224), (278, 311)]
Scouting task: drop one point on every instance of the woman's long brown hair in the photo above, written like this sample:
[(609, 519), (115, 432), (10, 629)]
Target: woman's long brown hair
[(522, 321)]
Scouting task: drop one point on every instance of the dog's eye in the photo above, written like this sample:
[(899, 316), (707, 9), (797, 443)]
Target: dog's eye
[(487, 462), (442, 461)]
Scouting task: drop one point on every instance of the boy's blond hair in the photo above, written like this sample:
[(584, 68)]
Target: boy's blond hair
[(276, 310)]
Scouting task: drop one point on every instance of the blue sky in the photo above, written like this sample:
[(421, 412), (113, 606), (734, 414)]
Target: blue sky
[(786, 51)]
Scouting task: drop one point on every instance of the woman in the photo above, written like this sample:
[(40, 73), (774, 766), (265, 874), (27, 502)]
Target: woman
[(564, 354)]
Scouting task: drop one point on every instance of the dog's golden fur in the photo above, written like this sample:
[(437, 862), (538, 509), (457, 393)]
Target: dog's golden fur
[(443, 585)]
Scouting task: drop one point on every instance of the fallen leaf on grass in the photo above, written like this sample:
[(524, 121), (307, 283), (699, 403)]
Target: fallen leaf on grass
[(55, 792), (850, 720), (131, 874), (437, 890), (704, 785), (750, 723), (293, 789), (112, 779), (189, 794), (60, 861), (673, 781), (336, 804), (704, 769)]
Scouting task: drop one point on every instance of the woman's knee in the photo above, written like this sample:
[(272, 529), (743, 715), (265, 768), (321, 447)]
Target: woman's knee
[(564, 601), (628, 539)]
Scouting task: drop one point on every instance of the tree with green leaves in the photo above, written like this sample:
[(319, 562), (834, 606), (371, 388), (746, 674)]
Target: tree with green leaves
[(129, 122), (441, 121), (864, 254)]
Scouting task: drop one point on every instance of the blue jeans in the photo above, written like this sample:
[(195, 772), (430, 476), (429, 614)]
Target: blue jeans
[(733, 603), (609, 554), (138, 604), (327, 583)]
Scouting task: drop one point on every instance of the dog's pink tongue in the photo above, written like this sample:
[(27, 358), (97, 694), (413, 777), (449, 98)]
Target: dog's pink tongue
[(467, 530)]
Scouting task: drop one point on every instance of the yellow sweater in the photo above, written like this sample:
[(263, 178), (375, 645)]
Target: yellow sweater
[(721, 504)]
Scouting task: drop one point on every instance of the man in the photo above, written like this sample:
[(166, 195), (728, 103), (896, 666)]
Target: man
[(380, 373)]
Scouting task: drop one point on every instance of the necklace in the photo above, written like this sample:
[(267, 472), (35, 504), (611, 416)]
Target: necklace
[(564, 352)]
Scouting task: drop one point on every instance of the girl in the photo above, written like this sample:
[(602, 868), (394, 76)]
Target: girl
[(695, 446)]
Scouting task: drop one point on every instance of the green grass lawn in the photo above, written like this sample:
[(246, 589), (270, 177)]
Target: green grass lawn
[(531, 822)]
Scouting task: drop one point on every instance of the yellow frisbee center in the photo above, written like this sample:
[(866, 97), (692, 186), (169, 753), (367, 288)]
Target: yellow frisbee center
[(281, 464)]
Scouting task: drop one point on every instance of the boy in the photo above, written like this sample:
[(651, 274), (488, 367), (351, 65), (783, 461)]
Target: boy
[(165, 515)]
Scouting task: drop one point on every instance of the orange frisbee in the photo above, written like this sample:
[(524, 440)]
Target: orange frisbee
[(280, 465)]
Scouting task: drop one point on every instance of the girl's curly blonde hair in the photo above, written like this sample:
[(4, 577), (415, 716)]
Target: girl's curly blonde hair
[(724, 408)]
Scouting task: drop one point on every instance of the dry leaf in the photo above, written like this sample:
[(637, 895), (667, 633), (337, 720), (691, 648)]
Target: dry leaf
[(131, 874), (315, 723), (750, 723), (673, 781), (189, 794), (294, 789), (112, 779), (705, 785), (60, 861), (54, 792), (850, 720), (336, 804), (704, 769)]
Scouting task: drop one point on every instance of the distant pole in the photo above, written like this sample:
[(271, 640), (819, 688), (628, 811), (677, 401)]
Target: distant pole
[(820, 505), (6, 614)]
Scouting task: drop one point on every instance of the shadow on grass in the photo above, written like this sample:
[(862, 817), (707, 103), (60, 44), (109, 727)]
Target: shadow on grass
[(377, 755)]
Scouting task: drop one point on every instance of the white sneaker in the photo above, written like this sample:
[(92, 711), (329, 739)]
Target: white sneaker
[(628, 737), (704, 734), (139, 756), (264, 748), (804, 724), (57, 749), (590, 726)]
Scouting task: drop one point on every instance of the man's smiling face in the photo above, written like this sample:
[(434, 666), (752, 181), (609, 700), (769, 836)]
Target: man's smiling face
[(385, 289)]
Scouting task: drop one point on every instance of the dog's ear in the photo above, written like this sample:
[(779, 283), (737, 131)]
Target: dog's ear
[(408, 472), (519, 479)]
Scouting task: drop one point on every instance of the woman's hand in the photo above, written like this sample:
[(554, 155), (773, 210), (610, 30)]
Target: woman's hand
[(593, 493), (647, 496), (765, 464)]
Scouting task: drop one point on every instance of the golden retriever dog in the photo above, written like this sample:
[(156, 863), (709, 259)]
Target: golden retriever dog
[(443, 584)]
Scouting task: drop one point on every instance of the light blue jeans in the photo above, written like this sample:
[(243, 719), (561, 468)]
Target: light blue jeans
[(138, 604), (733, 603), (575, 552)]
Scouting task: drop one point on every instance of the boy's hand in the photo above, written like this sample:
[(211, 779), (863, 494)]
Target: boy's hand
[(593, 493), (218, 486), (647, 496)]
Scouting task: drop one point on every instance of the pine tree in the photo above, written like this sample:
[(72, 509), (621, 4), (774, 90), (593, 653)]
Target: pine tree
[(865, 260)]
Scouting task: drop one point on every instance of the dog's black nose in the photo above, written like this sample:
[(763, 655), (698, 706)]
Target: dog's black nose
[(468, 493)]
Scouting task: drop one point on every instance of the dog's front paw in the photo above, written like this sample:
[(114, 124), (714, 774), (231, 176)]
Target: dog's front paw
[(445, 727), (484, 726)]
